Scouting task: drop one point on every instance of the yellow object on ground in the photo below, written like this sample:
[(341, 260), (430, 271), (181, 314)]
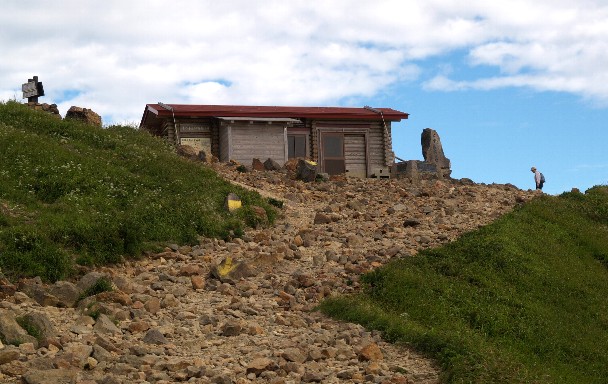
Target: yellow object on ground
[(233, 202), (226, 267)]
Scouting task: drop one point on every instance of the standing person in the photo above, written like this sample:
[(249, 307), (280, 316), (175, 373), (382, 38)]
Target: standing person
[(538, 179)]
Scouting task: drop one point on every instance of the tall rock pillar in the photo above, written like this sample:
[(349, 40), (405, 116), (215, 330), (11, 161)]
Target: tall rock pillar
[(433, 152)]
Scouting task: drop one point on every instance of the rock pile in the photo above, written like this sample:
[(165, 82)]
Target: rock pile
[(180, 316), (49, 108), (83, 114)]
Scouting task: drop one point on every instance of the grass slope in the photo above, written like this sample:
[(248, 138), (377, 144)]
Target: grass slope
[(520, 301), (70, 192)]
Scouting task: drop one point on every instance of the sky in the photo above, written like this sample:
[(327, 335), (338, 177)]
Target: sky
[(507, 84)]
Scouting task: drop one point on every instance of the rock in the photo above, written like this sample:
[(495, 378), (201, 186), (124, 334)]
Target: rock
[(306, 171), (49, 108), (232, 202), (152, 305), (83, 114), (169, 301), (138, 326), (187, 151), (322, 218), (411, 223), (197, 282), (271, 165), (257, 165), (51, 376), (11, 332), (261, 364), (313, 376), (230, 271), (101, 354), (106, 344), (89, 280), (8, 354), (35, 289), (231, 328), (293, 354), (67, 293), (189, 270), (298, 241), (41, 323), (433, 151), (291, 165), (154, 336), (104, 325), (370, 352), (77, 354)]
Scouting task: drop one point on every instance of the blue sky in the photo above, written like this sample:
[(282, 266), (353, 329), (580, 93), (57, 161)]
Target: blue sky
[(506, 84)]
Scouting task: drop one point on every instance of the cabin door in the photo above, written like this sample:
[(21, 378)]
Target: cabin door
[(332, 145), (355, 156)]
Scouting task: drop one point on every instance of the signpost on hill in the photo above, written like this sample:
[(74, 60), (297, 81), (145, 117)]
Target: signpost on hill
[(32, 90)]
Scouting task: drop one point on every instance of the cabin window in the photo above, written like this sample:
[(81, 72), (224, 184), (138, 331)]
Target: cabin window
[(296, 146)]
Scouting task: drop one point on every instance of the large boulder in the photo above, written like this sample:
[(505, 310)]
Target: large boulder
[(11, 332), (231, 271), (433, 151), (257, 165), (187, 151), (40, 322), (271, 165), (306, 170), (83, 114), (66, 293)]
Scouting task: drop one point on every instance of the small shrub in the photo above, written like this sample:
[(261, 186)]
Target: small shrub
[(94, 311), (103, 284), (29, 327), (275, 202)]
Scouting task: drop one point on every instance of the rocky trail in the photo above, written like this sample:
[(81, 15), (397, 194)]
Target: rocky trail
[(168, 320)]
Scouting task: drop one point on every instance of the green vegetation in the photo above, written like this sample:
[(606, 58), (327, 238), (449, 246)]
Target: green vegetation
[(275, 202), (520, 301), (73, 193), (103, 284), (29, 327)]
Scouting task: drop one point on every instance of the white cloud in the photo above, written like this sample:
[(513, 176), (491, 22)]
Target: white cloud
[(120, 55)]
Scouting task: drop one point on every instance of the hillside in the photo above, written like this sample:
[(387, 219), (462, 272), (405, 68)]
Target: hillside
[(519, 300), (73, 193), (169, 320)]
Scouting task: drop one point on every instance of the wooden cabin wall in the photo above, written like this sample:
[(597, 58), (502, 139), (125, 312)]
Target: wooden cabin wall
[(369, 142), (261, 141), (355, 154), (196, 133), (168, 130), (376, 146)]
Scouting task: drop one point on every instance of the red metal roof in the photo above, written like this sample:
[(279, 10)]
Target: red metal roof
[(276, 111)]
